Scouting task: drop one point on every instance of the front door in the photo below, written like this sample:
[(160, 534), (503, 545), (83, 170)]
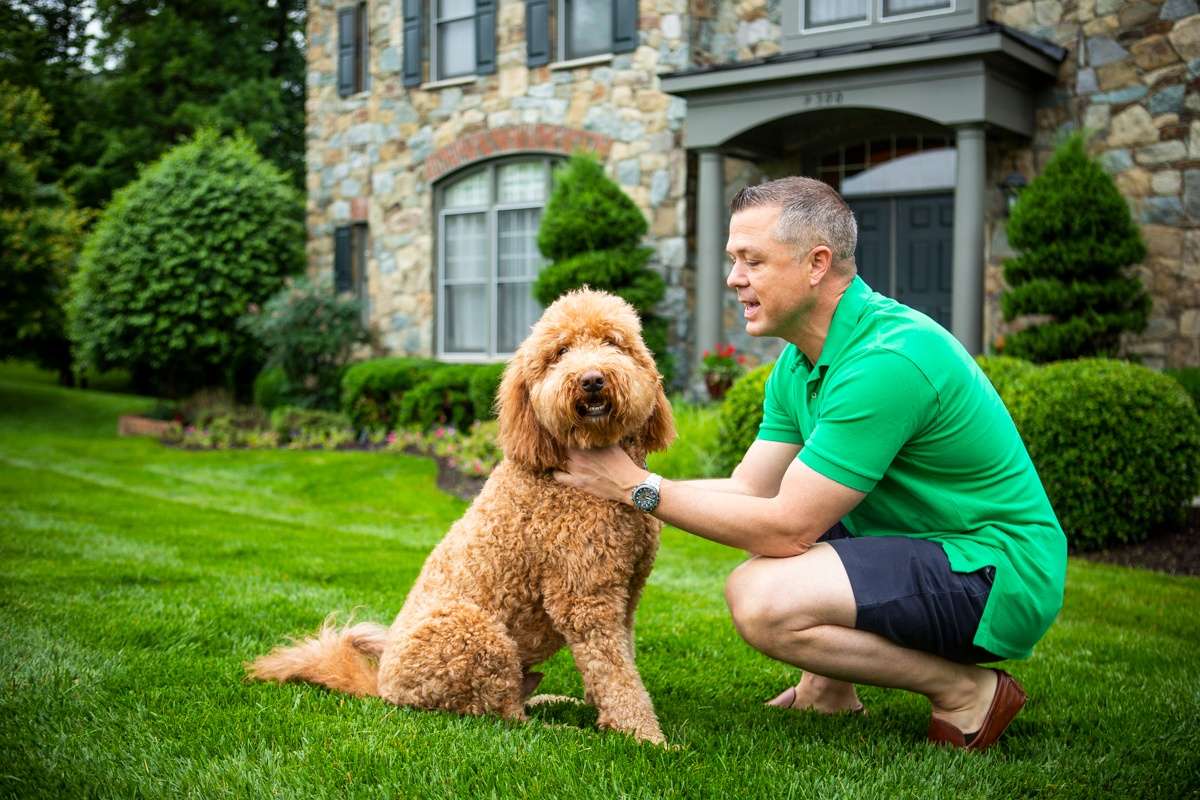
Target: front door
[(905, 249)]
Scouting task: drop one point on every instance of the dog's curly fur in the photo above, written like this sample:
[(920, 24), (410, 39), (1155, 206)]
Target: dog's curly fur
[(533, 564)]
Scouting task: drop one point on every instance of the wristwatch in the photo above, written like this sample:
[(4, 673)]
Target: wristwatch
[(645, 494)]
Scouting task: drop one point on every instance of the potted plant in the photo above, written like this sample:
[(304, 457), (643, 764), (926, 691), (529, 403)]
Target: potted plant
[(721, 367)]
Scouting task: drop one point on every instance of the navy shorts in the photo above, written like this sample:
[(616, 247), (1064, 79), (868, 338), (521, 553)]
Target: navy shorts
[(906, 592)]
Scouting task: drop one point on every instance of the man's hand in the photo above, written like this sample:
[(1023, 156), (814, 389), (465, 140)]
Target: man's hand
[(608, 473)]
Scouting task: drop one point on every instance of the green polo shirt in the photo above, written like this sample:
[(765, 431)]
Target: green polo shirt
[(895, 407)]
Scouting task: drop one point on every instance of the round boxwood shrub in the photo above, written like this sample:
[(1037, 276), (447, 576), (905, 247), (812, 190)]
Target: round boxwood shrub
[(741, 414), (372, 390), (1189, 379), (177, 257), (441, 397), (1117, 447), (1005, 372), (484, 382)]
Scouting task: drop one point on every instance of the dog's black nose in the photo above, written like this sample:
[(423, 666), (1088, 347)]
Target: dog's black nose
[(592, 382)]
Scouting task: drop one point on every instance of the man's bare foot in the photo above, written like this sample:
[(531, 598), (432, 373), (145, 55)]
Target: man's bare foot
[(821, 694), (968, 707)]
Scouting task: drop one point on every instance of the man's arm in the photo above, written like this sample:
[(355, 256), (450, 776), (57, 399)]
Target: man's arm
[(758, 474), (786, 523)]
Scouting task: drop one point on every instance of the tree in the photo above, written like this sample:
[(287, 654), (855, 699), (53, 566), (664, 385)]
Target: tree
[(178, 257), (39, 235), (592, 232), (1076, 236)]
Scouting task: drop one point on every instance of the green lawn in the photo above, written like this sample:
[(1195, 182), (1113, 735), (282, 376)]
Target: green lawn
[(135, 579)]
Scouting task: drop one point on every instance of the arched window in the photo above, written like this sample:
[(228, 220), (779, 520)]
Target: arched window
[(487, 257)]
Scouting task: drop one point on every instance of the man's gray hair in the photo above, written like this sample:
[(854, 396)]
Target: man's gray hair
[(812, 214)]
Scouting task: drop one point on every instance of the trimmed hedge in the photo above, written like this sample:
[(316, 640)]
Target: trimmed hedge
[(372, 390), (443, 397), (741, 414), (1005, 372), (482, 388)]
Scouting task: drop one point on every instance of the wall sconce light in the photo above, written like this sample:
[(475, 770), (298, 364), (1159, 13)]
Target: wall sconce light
[(1012, 186)]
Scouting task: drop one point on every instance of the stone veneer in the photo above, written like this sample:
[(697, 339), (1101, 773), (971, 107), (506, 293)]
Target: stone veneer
[(1131, 78), (372, 157)]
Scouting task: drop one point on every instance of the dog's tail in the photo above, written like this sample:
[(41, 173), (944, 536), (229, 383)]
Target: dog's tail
[(345, 659)]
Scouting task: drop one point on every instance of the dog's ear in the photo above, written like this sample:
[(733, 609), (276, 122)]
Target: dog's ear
[(659, 430), (522, 437)]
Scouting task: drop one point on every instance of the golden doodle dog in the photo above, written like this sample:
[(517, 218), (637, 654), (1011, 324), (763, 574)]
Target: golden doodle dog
[(532, 564)]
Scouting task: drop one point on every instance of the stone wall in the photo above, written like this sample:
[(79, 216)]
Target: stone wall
[(372, 157)]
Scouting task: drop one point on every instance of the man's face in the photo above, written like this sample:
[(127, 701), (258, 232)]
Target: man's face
[(770, 278)]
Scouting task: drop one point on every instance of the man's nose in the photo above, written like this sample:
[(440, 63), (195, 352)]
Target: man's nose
[(736, 276)]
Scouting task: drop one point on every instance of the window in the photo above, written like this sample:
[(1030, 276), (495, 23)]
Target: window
[(488, 257), (352, 49), (350, 262), (819, 15), (852, 158), (453, 38), (461, 39), (580, 28)]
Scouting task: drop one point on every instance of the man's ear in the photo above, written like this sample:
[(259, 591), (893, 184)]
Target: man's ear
[(821, 257)]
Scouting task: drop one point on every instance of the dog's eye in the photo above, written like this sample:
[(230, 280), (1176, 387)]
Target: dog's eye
[(562, 351)]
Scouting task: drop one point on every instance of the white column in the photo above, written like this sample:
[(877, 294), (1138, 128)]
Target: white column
[(710, 250), (969, 188)]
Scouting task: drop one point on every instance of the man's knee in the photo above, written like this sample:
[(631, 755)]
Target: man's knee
[(758, 612)]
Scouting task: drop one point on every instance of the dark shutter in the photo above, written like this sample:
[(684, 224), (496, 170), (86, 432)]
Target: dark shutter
[(346, 51), (625, 25), (412, 43), (537, 32), (343, 252), (485, 37), (362, 48)]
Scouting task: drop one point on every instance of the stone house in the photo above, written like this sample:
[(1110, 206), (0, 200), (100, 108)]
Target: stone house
[(433, 127)]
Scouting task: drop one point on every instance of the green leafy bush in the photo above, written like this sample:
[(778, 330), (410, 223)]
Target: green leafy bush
[(1076, 236), (442, 397), (177, 257), (592, 231), (310, 426), (372, 390), (1117, 447), (741, 414), (271, 388), (484, 383), (310, 332), (1189, 379)]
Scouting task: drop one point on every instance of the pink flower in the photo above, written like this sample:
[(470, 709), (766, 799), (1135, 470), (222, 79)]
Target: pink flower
[(391, 437)]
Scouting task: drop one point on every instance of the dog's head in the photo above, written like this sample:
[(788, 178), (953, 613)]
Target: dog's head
[(583, 378)]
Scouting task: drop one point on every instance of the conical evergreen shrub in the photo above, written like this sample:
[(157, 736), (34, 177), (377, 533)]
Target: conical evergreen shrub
[(1076, 237), (592, 232)]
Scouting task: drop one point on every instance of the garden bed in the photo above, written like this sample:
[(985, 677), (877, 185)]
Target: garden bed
[(1175, 552)]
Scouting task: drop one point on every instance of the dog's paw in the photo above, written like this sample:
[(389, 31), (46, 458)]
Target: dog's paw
[(545, 699)]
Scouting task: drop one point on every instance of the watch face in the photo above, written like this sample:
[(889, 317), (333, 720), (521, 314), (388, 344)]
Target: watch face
[(645, 498)]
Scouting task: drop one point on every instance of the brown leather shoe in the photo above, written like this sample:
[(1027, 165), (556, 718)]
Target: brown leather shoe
[(1006, 702)]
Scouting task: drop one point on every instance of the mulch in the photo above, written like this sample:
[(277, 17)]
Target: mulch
[(1175, 552)]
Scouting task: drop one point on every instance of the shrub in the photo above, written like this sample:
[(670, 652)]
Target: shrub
[(1117, 447), (177, 257), (482, 388), (694, 453), (1077, 235), (592, 231), (1189, 379), (741, 414), (309, 331), (443, 397), (310, 426), (372, 390), (271, 388)]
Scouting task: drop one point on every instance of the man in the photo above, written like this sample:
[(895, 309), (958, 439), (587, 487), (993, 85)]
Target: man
[(899, 532)]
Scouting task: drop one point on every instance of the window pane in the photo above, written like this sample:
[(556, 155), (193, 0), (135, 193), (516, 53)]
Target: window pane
[(449, 9), (820, 13), (469, 191), (517, 249), (466, 319), (893, 7), (589, 25), (518, 311), (523, 182), (466, 247), (456, 48)]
